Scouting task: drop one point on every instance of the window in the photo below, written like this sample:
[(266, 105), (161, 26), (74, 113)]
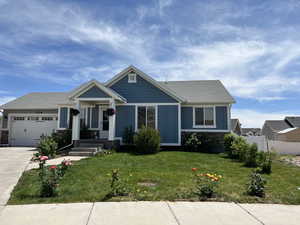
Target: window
[(105, 121), (204, 117), (18, 118), (48, 118), (132, 77), (146, 116), (33, 118)]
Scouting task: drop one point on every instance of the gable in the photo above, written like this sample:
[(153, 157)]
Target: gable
[(94, 92), (141, 92)]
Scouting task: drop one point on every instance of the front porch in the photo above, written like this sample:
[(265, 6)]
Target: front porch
[(93, 120)]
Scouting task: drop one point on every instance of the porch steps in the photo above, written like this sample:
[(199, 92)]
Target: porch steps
[(86, 149)]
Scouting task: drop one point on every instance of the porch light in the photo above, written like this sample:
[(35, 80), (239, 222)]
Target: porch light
[(74, 112), (111, 111)]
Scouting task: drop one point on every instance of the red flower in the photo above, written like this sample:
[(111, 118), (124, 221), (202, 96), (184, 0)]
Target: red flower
[(194, 169), (44, 158), (53, 167)]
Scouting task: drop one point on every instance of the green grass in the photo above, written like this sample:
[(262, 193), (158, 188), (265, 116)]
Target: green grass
[(88, 180)]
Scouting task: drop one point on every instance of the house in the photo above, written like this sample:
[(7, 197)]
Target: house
[(282, 130), (236, 127), (251, 132), (129, 99)]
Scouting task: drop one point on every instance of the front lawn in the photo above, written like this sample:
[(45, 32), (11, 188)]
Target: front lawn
[(163, 176)]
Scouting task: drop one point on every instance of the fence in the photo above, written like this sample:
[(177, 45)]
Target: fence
[(280, 147)]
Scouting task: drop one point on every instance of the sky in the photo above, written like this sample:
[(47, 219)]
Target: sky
[(252, 46)]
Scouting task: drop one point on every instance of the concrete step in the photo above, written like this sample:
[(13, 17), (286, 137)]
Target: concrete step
[(100, 141), (85, 149), (77, 153)]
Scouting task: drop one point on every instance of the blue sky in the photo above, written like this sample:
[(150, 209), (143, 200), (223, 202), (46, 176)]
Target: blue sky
[(253, 47)]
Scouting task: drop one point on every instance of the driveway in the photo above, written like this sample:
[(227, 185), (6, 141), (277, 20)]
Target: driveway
[(150, 213), (13, 162)]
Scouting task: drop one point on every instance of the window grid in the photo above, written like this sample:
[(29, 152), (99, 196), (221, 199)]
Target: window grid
[(209, 121)]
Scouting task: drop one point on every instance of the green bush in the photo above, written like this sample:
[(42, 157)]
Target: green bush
[(265, 162), (62, 138), (128, 135), (118, 187), (239, 149), (147, 141), (251, 156), (256, 186), (47, 146), (49, 181), (197, 142), (192, 144), (228, 140)]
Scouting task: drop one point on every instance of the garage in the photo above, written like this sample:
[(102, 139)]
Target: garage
[(25, 130)]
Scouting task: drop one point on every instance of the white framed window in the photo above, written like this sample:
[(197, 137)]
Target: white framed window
[(146, 116), (19, 118), (132, 77), (204, 117), (47, 118), (35, 118)]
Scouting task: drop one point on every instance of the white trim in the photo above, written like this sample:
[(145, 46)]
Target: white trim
[(136, 115), (94, 99), (203, 104), (140, 73), (93, 83), (204, 126), (170, 144), (202, 130)]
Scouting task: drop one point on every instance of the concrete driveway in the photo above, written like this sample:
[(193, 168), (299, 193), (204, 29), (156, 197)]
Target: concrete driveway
[(150, 213), (13, 161)]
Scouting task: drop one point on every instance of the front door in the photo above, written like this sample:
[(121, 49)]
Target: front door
[(104, 123)]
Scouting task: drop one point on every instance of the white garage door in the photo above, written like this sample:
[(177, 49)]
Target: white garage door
[(26, 130)]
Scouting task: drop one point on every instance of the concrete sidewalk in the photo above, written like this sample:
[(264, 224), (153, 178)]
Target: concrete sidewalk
[(150, 213)]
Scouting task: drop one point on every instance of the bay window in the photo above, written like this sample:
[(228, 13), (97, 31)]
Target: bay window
[(204, 116)]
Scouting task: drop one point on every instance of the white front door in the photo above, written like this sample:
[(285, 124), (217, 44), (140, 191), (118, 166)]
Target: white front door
[(104, 124)]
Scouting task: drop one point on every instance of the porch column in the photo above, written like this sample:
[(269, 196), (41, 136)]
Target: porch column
[(112, 121), (76, 125)]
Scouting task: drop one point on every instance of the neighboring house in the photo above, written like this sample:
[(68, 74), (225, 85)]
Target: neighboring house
[(236, 126), (283, 130), (131, 98), (251, 132)]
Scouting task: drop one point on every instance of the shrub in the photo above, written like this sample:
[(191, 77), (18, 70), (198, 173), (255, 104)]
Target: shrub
[(251, 156), (206, 184), (49, 181), (147, 141), (117, 186), (197, 142), (63, 167), (228, 141), (128, 135), (47, 146), (256, 186), (239, 148), (192, 144), (265, 162), (62, 138)]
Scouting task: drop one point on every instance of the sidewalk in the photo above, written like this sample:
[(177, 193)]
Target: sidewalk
[(150, 213)]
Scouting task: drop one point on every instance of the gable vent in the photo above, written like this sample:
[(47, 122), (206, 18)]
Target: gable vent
[(132, 77)]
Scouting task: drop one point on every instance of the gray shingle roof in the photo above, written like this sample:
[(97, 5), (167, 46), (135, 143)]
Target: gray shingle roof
[(200, 91), (293, 120), (38, 100), (277, 125), (256, 131)]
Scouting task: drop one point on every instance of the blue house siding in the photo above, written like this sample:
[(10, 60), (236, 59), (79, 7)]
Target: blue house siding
[(94, 92), (168, 123), (221, 118), (141, 92), (125, 117)]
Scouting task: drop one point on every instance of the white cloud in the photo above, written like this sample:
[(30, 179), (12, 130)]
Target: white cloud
[(5, 99), (256, 119)]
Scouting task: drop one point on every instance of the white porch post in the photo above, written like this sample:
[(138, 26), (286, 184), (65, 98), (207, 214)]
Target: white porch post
[(76, 124), (112, 121)]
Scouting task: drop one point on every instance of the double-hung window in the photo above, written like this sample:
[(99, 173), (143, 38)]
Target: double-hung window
[(204, 117), (146, 116)]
